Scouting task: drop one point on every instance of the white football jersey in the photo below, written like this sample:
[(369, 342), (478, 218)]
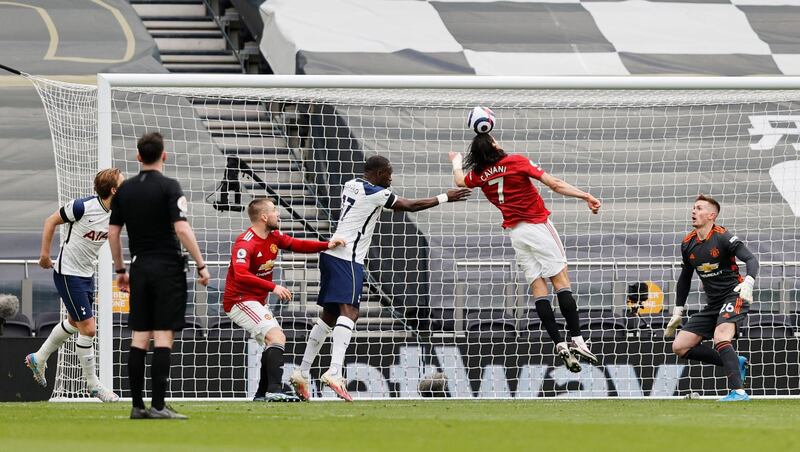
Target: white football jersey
[(361, 206), (87, 231)]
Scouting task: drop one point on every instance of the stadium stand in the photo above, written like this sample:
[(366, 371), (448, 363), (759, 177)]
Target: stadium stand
[(45, 322), (17, 326)]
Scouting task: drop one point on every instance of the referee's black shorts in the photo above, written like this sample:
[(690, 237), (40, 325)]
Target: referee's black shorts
[(157, 294)]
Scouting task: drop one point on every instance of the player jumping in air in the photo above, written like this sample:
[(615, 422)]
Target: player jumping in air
[(248, 283), (711, 251), (342, 269), (73, 274), (505, 179)]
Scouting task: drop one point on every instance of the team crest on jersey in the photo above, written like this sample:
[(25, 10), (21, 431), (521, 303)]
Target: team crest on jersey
[(268, 316), (715, 252), (273, 248)]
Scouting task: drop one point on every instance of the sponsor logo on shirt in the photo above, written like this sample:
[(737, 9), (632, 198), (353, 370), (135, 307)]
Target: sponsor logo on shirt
[(707, 267), (96, 236)]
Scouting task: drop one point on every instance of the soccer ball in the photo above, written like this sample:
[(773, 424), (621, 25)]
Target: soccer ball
[(481, 120)]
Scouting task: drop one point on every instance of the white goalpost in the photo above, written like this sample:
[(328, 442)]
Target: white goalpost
[(444, 301)]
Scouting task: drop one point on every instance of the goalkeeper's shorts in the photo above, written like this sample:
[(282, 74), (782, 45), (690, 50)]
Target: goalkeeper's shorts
[(732, 310)]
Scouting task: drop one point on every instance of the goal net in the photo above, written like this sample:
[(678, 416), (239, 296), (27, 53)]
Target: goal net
[(445, 311)]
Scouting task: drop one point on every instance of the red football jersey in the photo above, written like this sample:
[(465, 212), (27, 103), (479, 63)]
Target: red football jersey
[(252, 258), (508, 186)]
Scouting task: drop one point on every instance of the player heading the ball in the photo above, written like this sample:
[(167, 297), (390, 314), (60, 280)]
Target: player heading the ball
[(342, 269), (505, 179)]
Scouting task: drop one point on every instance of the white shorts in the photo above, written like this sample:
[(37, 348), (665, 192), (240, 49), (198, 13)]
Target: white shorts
[(538, 250), (255, 318)]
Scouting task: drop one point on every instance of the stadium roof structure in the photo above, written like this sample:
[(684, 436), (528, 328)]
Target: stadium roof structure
[(529, 37)]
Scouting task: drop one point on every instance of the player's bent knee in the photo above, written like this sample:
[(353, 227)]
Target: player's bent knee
[(275, 336)]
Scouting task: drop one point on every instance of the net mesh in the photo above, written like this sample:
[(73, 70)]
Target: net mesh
[(445, 310)]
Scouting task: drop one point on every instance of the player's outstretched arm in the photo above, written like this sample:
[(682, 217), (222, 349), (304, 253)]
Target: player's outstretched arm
[(50, 224), (186, 235), (309, 246), (458, 172), (563, 188), (415, 205)]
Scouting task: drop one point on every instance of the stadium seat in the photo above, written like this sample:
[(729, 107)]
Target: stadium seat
[(602, 325), (18, 326), (769, 325), (223, 328), (45, 322), (193, 329), (490, 325)]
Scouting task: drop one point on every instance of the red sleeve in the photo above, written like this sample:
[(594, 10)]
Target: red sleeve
[(240, 262), (286, 242), (471, 180), (531, 169)]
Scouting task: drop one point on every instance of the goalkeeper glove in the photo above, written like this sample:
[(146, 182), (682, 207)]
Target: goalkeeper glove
[(674, 322), (745, 289)]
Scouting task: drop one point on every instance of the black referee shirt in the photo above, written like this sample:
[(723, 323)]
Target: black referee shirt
[(147, 205)]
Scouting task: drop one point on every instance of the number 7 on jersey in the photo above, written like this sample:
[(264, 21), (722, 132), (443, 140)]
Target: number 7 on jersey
[(499, 183)]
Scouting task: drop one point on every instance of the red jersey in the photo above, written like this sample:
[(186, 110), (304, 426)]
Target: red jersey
[(252, 258), (508, 186)]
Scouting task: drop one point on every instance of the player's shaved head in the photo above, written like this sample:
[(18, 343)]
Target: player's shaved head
[(257, 207), (378, 171), (376, 163), (710, 200)]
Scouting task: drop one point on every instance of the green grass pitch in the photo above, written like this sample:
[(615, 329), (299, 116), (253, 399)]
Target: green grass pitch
[(417, 426)]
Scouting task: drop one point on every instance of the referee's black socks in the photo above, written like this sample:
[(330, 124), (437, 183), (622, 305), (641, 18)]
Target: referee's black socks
[(136, 375), (160, 370)]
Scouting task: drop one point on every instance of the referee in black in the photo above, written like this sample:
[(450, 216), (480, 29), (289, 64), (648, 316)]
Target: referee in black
[(153, 209)]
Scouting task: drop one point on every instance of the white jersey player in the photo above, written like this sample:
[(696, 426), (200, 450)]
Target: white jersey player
[(73, 275), (342, 269)]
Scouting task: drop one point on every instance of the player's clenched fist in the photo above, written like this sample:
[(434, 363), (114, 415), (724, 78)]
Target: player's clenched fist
[(594, 203)]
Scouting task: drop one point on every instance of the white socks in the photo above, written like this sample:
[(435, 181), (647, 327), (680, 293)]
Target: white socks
[(84, 348), (342, 333), (57, 337), (316, 338)]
